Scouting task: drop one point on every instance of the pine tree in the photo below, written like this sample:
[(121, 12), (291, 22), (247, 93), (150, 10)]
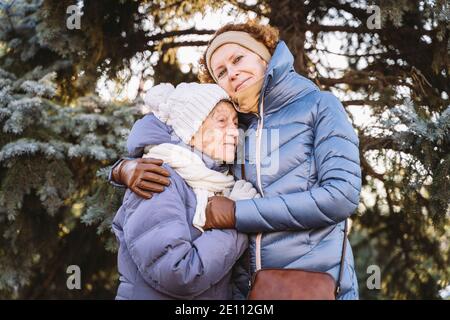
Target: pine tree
[(58, 138), (51, 156), (57, 141)]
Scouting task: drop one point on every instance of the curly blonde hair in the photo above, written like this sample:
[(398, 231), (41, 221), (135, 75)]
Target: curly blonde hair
[(265, 34)]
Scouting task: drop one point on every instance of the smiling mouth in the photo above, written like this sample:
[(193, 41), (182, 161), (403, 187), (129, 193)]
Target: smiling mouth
[(240, 85)]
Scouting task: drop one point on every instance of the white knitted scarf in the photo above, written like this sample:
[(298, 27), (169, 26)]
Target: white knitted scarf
[(204, 181)]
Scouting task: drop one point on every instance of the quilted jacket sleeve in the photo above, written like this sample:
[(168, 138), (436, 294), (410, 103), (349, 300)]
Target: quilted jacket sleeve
[(145, 131), (159, 240), (336, 195)]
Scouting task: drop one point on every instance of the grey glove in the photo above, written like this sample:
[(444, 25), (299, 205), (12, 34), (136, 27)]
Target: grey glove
[(242, 190)]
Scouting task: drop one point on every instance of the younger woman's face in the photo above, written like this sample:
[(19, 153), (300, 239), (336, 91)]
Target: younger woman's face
[(236, 67), (218, 135)]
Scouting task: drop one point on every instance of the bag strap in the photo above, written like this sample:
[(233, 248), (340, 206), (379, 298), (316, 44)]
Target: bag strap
[(344, 247), (245, 178)]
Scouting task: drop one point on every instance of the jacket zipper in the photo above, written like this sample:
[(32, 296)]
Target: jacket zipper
[(258, 181), (258, 178)]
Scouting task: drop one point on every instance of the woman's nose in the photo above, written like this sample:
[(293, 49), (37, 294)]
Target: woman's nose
[(232, 74), (233, 131)]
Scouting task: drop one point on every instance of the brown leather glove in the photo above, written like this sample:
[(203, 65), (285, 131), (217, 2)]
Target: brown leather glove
[(144, 176), (220, 213)]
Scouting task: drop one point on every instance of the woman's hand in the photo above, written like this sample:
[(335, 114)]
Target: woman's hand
[(220, 213), (144, 176), (242, 190)]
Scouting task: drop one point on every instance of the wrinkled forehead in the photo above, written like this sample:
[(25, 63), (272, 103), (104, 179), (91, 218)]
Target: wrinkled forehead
[(225, 52), (224, 107)]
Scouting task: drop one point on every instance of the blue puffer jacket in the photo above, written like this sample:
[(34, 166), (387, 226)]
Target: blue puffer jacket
[(307, 168), (302, 154), (161, 255)]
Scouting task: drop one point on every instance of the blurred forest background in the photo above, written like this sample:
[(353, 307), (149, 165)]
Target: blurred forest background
[(66, 108)]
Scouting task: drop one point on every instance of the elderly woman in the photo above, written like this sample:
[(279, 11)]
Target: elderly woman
[(164, 252), (300, 151)]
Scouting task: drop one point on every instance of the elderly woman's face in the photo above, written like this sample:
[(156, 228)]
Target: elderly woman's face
[(217, 137), (236, 67)]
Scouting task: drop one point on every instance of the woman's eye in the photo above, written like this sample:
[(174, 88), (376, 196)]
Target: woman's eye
[(236, 60), (221, 73)]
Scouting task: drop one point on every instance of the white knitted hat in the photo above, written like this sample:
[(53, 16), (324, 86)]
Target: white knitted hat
[(184, 107)]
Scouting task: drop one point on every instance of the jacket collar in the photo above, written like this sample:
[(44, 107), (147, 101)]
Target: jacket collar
[(281, 83)]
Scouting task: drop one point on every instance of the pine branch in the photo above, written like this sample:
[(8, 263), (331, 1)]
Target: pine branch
[(175, 4), (6, 9), (346, 80), (379, 54), (362, 15), (357, 102), (176, 33), (245, 7), (316, 28), (369, 170), (360, 78), (170, 45), (374, 143), (357, 13)]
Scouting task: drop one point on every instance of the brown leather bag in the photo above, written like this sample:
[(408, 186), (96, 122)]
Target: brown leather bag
[(294, 284)]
